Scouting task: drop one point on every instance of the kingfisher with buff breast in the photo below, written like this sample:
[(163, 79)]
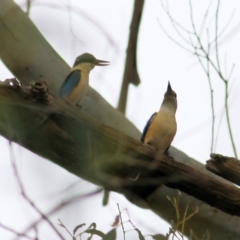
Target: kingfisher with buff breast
[(162, 126), (76, 83)]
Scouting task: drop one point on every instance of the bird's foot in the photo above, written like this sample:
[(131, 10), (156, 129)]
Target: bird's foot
[(167, 154), (162, 155)]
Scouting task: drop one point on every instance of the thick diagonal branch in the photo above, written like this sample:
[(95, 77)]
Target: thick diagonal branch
[(29, 57), (84, 146)]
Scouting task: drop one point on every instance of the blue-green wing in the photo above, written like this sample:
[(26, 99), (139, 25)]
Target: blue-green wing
[(147, 126), (71, 81)]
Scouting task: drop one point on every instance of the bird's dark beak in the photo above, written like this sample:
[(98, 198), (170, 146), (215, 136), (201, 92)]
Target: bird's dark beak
[(169, 88), (101, 63)]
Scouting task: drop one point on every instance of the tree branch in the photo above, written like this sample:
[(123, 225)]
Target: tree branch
[(130, 72), (30, 57), (226, 167), (101, 154), (21, 44)]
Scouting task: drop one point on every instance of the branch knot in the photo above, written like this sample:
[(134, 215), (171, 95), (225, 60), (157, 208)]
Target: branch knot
[(39, 92)]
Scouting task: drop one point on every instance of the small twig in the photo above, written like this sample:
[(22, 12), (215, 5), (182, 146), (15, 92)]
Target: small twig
[(16, 233), (76, 10), (36, 233), (221, 118), (69, 11), (175, 235), (25, 195), (228, 120), (206, 55), (216, 36), (190, 215), (217, 68), (204, 19), (225, 64), (184, 218), (63, 226), (120, 215), (211, 95), (179, 221), (227, 24), (225, 82), (176, 25), (129, 219), (231, 71), (172, 39), (166, 10), (28, 7), (176, 207), (60, 206)]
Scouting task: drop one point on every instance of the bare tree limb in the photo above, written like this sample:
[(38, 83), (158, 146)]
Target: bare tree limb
[(29, 57), (102, 155), (226, 167), (130, 72), (20, 44)]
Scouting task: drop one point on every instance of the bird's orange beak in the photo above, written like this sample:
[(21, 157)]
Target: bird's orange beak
[(101, 63)]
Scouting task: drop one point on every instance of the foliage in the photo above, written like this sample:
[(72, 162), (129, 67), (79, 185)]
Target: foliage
[(176, 231)]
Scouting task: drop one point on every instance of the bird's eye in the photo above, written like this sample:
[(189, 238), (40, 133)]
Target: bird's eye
[(175, 95)]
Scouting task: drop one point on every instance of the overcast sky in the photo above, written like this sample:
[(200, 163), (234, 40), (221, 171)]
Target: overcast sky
[(102, 28)]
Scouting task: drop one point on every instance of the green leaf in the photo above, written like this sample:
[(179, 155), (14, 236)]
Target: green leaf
[(159, 237), (141, 237), (93, 225), (95, 232), (112, 235), (77, 227)]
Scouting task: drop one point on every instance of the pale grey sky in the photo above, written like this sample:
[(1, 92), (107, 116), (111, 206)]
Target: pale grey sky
[(159, 60)]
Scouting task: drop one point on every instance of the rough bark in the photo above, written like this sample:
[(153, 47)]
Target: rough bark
[(21, 46), (93, 151), (30, 57), (226, 167)]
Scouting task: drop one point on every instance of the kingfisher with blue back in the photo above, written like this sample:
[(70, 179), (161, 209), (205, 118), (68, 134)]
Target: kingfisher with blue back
[(161, 128), (76, 83)]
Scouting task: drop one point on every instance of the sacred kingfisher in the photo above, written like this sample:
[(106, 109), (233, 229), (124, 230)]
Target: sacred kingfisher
[(160, 130), (76, 83), (161, 127)]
